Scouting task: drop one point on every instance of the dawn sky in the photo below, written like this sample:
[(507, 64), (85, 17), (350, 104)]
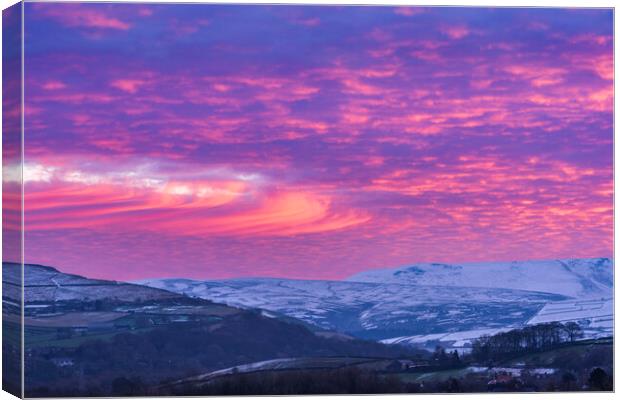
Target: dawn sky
[(314, 142)]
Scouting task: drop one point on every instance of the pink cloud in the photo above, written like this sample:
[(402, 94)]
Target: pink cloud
[(409, 11), (53, 85), (455, 31), (182, 28), (287, 213), (127, 85), (309, 22), (75, 15), (64, 199), (145, 12), (369, 150)]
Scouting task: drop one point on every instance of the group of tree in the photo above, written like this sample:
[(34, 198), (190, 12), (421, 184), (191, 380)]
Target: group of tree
[(599, 380), (443, 358), (528, 339), (353, 380), (348, 380)]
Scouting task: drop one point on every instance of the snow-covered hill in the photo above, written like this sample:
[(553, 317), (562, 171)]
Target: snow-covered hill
[(372, 310), (47, 285), (577, 278), (421, 303)]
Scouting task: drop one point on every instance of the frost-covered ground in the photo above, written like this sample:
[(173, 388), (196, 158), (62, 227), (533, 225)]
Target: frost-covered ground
[(596, 316), (429, 303), (457, 340), (370, 309)]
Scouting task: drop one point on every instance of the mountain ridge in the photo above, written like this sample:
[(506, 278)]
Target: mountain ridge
[(568, 275), (393, 303)]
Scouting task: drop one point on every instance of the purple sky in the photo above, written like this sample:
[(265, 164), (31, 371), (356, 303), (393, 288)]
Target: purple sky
[(222, 141)]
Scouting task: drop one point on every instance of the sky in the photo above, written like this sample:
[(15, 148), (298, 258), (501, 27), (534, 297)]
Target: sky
[(208, 141)]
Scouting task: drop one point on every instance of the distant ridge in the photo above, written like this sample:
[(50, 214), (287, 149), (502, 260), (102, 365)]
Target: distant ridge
[(427, 301), (578, 278)]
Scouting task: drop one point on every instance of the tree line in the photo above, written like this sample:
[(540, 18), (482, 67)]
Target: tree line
[(525, 340)]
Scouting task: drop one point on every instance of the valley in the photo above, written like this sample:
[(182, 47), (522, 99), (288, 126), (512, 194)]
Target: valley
[(390, 329)]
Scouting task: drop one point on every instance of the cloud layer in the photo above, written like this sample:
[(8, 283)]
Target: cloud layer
[(217, 141)]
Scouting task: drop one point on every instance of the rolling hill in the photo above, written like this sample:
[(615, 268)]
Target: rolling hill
[(43, 284), (114, 329), (426, 303)]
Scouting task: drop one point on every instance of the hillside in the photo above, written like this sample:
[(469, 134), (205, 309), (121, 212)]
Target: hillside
[(369, 309), (577, 278), (44, 284), (426, 304), (110, 330)]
